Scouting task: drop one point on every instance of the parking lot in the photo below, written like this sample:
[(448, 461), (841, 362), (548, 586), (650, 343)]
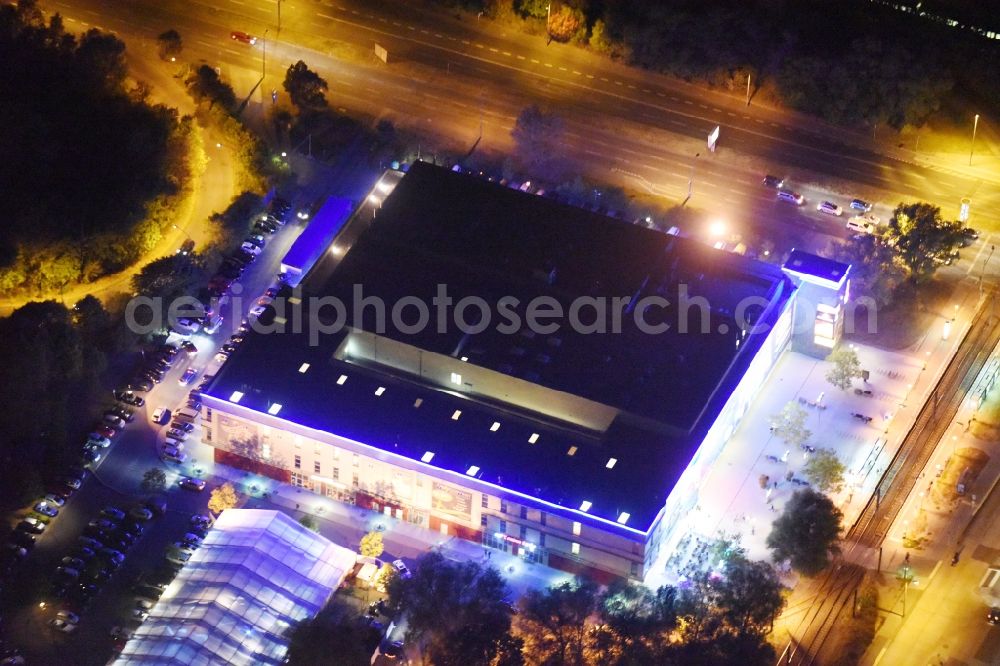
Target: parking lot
[(94, 587)]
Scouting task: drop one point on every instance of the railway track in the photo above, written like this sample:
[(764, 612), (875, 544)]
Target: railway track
[(839, 582)]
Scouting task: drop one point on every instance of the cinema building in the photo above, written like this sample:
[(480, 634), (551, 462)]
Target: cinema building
[(578, 446)]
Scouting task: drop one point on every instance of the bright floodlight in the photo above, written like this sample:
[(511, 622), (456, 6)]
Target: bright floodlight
[(427, 457), (274, 409), (717, 228), (236, 396), (585, 505), (472, 471)]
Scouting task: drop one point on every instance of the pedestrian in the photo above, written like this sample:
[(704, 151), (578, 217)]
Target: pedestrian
[(296, 507)]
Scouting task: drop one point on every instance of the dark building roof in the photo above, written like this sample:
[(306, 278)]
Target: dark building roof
[(481, 239), (805, 263)]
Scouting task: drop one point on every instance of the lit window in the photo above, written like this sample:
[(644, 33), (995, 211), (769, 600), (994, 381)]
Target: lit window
[(572, 451), (472, 471), (623, 518), (575, 548), (456, 378), (341, 380), (298, 462), (465, 359), (458, 413), (380, 390), (236, 396), (495, 426), (417, 403), (303, 367), (533, 438), (274, 409), (585, 505), (576, 528), (427, 457), (611, 463)]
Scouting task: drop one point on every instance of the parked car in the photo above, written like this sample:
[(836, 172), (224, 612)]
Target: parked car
[(102, 524), (46, 509), (177, 424), (161, 415), (90, 543), (773, 182), (189, 348), (97, 441), (62, 625), (113, 513), (31, 525), (861, 204), (141, 384), (188, 375), (175, 456), (91, 456), (112, 555), (129, 398), (140, 513), (138, 615), (401, 567), (114, 421), (188, 483)]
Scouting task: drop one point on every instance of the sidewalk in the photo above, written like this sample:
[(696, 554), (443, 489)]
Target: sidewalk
[(345, 524)]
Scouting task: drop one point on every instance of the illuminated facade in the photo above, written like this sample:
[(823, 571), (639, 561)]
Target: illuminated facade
[(581, 451), (821, 302)]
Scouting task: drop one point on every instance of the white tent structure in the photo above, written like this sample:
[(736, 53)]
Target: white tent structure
[(257, 573)]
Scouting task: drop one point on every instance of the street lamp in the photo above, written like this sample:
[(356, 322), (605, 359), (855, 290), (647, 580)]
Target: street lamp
[(975, 126)]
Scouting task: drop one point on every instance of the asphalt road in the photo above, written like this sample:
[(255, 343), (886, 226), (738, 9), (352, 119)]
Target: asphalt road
[(454, 79)]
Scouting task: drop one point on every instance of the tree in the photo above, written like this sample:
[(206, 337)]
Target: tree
[(846, 367), (333, 636), (206, 84), (154, 480), (825, 471), (920, 238), (309, 522), (305, 88), (537, 136), (806, 533), (634, 624), (553, 622), (455, 610), (371, 544), (169, 44), (790, 425), (750, 597), (567, 23), (222, 498)]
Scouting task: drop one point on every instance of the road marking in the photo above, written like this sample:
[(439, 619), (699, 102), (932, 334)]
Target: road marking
[(535, 61), (674, 99), (590, 76), (479, 46), (659, 94), (618, 83), (548, 64), (702, 106), (604, 79), (562, 69), (878, 658), (646, 90), (493, 50), (237, 2), (520, 57), (931, 577), (576, 72), (507, 53), (730, 113), (326, 16), (982, 248), (631, 87), (687, 101), (438, 35)]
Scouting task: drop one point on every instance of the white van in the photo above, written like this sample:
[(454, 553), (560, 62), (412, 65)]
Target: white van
[(860, 225)]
